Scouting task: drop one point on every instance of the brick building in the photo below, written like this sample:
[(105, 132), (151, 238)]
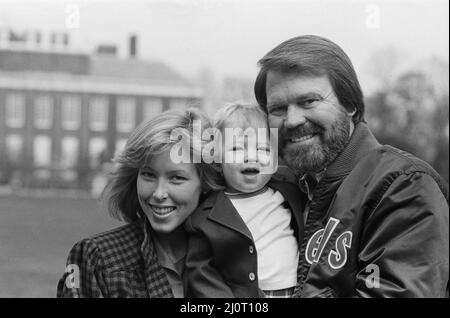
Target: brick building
[(62, 114)]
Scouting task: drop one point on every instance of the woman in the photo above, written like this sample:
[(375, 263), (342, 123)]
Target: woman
[(154, 195)]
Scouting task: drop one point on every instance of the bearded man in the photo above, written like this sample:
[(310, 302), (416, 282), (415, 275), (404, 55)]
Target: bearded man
[(376, 217)]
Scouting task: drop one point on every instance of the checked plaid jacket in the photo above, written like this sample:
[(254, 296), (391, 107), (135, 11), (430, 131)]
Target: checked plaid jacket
[(118, 263)]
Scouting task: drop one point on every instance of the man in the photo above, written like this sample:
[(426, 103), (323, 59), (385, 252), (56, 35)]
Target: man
[(376, 218)]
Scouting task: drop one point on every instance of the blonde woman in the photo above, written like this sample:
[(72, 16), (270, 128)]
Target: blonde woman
[(154, 195)]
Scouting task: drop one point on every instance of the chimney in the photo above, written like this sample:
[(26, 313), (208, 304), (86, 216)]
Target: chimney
[(66, 40), (37, 38), (133, 46)]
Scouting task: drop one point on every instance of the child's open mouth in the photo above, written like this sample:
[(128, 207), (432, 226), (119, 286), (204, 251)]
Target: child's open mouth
[(250, 171)]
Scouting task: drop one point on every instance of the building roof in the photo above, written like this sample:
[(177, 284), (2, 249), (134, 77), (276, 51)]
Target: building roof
[(68, 83), (49, 62), (151, 71), (91, 73)]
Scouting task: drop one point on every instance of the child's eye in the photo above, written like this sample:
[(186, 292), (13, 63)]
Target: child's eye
[(264, 149)]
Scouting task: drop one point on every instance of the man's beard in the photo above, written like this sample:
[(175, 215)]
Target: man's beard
[(315, 157)]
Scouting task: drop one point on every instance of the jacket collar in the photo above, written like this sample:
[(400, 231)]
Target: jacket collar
[(224, 212), (361, 142), (157, 283)]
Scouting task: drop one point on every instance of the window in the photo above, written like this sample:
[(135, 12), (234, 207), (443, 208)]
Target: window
[(120, 146), (98, 113), (126, 114), (97, 148), (69, 152), (42, 147), (152, 107), (178, 104), (14, 148), (43, 112), (15, 110), (71, 110)]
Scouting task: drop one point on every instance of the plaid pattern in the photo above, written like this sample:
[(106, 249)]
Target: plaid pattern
[(118, 263), (279, 293)]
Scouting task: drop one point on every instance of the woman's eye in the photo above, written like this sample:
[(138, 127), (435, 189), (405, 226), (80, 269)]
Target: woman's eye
[(147, 175), (178, 178)]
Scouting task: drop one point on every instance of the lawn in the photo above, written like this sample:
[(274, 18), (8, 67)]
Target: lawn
[(36, 235)]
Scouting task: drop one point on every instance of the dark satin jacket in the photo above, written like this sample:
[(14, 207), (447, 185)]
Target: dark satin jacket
[(378, 226)]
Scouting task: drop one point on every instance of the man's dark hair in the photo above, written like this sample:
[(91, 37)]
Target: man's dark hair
[(314, 55)]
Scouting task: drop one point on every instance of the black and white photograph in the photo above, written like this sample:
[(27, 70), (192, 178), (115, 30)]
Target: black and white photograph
[(222, 149)]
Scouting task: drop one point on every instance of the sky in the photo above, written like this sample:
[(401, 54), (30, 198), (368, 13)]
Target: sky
[(230, 36)]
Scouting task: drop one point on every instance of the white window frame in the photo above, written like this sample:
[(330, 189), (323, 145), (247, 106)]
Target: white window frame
[(14, 147), (126, 114), (43, 112), (119, 146), (94, 151), (151, 108), (69, 156), (71, 112), (15, 110), (98, 107), (39, 147)]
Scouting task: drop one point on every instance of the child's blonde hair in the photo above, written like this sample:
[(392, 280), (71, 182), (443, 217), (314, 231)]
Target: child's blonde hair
[(247, 115)]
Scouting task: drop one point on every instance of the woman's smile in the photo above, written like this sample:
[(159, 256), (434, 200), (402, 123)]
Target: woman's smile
[(168, 192), (162, 210)]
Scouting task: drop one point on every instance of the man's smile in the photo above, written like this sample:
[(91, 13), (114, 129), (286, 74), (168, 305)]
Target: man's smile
[(301, 139)]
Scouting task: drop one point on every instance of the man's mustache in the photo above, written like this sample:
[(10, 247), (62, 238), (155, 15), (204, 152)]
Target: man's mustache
[(301, 131)]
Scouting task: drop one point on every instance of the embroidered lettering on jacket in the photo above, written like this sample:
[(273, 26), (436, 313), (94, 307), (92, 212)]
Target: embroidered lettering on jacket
[(316, 244)]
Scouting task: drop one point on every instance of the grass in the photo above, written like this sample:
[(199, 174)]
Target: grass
[(36, 235)]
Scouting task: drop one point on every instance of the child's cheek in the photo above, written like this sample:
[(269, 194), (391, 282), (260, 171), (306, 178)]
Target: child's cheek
[(264, 158)]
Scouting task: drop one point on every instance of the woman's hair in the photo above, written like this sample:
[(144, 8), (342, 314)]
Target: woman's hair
[(147, 140), (314, 55)]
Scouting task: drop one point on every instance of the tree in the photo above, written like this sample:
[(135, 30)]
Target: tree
[(383, 65), (410, 115)]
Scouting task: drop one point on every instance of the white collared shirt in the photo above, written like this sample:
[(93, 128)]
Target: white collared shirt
[(270, 225)]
